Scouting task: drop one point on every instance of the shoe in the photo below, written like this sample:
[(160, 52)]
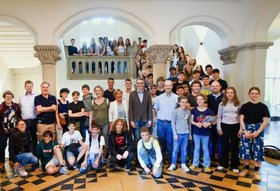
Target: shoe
[(244, 173), (220, 168), (117, 166), (192, 167), (127, 169), (83, 169), (1, 165), (257, 176), (16, 172), (172, 167), (235, 171), (64, 170), (207, 169), (185, 168), (11, 163), (76, 166), (22, 172)]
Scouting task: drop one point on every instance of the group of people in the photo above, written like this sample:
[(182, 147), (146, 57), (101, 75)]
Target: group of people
[(150, 125)]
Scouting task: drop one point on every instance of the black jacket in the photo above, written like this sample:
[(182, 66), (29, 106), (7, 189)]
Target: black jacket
[(125, 138)]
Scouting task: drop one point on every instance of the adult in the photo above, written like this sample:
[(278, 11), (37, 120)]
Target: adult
[(228, 128), (254, 117), (216, 77), (46, 106), (149, 153), (10, 113), (140, 108), (72, 49), (165, 105), (109, 93), (28, 114), (214, 99)]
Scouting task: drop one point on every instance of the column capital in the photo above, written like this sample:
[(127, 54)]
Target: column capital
[(47, 54), (228, 55), (158, 53)]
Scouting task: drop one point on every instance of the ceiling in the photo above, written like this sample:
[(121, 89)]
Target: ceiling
[(16, 46)]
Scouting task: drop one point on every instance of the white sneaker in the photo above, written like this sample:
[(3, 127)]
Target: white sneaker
[(22, 172), (185, 168), (235, 171), (172, 167), (220, 168)]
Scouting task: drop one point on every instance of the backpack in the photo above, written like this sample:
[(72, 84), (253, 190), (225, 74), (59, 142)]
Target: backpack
[(272, 151), (90, 139)]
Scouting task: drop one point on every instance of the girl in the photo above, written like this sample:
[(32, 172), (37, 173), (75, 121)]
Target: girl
[(228, 128), (173, 56), (254, 117), (21, 148), (120, 145), (160, 85), (181, 127), (121, 50), (201, 132)]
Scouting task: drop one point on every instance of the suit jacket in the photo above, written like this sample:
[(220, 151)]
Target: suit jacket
[(140, 111)]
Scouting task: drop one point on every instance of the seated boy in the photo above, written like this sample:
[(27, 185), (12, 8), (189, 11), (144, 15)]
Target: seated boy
[(75, 148), (149, 153), (50, 154)]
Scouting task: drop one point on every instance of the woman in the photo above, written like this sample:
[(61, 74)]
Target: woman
[(10, 113), (228, 128), (254, 117), (100, 111), (118, 108)]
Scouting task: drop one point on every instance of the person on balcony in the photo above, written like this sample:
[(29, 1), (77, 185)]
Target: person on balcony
[(72, 49)]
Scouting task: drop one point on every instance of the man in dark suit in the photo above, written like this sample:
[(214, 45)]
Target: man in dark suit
[(140, 109)]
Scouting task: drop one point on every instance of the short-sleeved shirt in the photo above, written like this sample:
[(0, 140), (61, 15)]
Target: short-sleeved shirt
[(76, 107), (94, 147), (109, 95), (45, 117), (254, 113), (198, 117), (67, 138)]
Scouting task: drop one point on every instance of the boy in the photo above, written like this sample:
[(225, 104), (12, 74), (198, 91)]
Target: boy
[(206, 87), (149, 153), (173, 74), (96, 143), (50, 154), (153, 90), (75, 148)]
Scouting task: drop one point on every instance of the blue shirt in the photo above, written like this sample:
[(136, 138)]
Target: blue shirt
[(165, 105), (198, 117)]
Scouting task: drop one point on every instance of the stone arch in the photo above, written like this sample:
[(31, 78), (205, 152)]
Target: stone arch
[(18, 21), (118, 14), (218, 26)]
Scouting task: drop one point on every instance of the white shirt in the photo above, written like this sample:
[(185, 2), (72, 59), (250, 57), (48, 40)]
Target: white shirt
[(67, 139), (94, 147), (27, 106)]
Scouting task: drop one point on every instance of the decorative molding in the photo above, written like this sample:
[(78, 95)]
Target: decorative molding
[(255, 45), (229, 54), (47, 54), (158, 53)]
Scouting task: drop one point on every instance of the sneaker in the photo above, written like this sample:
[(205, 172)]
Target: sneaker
[(192, 167), (83, 169), (64, 170), (117, 166), (16, 172), (76, 166), (22, 172), (207, 169), (127, 169), (220, 168), (244, 173), (257, 176), (185, 168), (1, 165), (235, 171), (172, 167)]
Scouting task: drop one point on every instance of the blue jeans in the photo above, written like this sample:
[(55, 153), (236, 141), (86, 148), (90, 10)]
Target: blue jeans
[(92, 159), (26, 158), (182, 143), (165, 135), (198, 140), (150, 161), (136, 130)]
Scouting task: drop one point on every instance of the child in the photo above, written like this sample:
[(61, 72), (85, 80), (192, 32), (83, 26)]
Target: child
[(20, 148), (201, 132), (75, 148), (96, 143), (181, 127), (149, 153), (120, 145), (153, 90), (50, 155)]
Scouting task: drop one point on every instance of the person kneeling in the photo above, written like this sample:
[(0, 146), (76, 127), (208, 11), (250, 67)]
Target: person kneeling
[(20, 148), (149, 153), (75, 148), (50, 155), (120, 145)]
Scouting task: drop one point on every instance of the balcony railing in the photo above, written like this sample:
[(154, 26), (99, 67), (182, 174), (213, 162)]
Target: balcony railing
[(101, 67)]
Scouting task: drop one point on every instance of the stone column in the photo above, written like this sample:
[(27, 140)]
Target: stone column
[(157, 56), (48, 56), (249, 70)]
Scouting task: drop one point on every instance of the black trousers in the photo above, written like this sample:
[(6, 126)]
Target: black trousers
[(230, 140), (31, 125)]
